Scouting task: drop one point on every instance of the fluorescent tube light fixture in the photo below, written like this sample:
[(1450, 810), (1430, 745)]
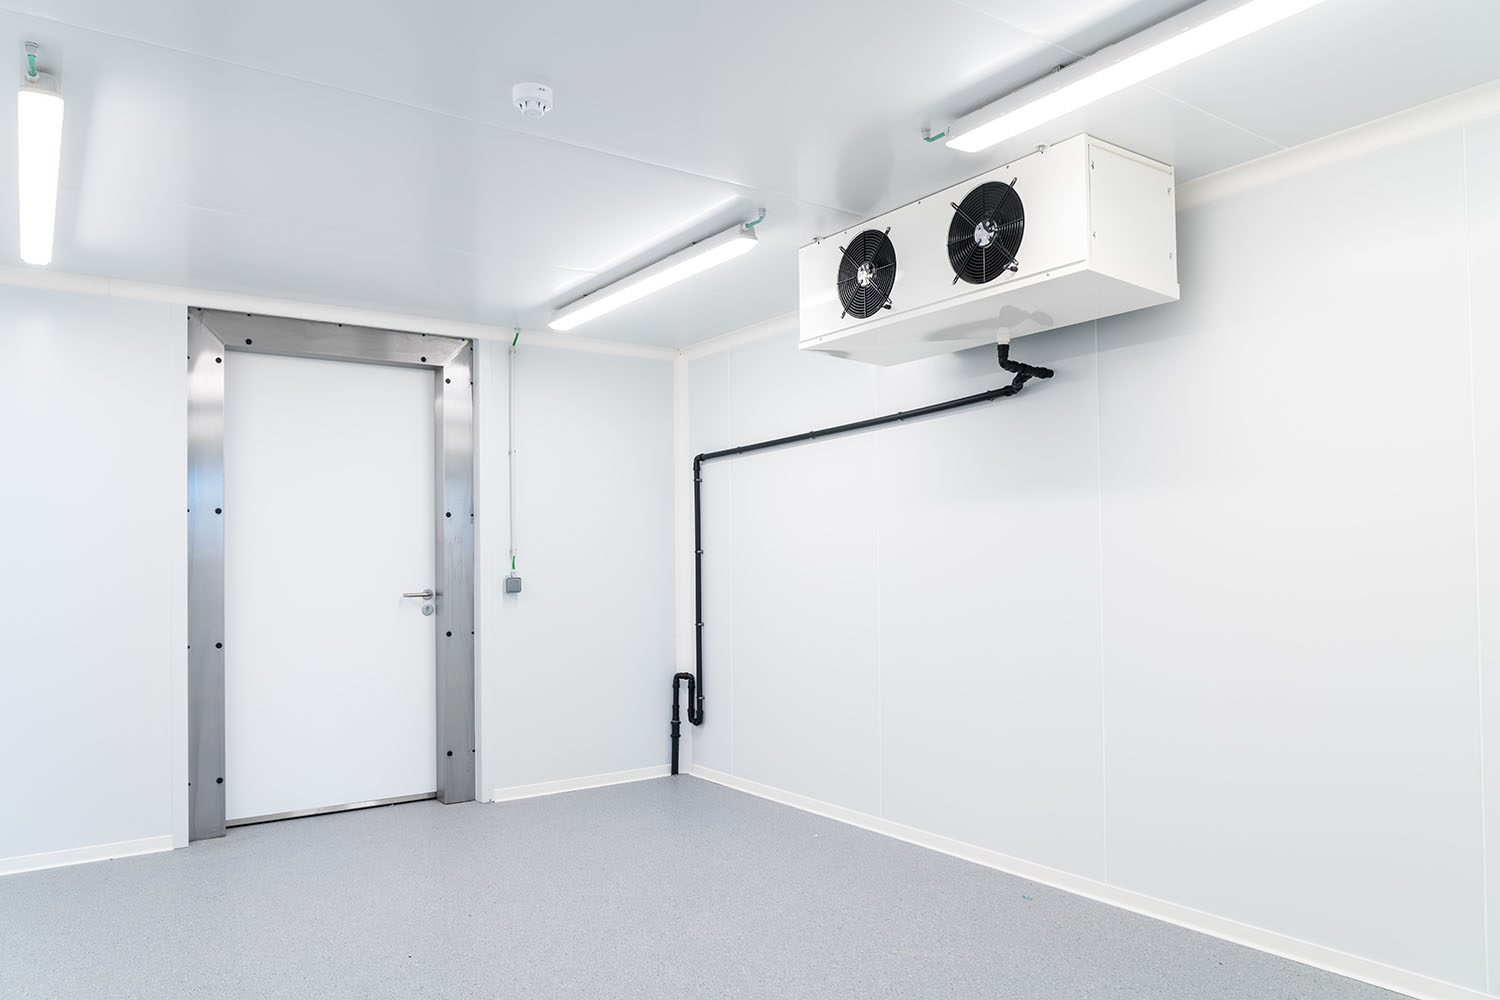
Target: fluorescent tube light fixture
[(1161, 47), (683, 264), (39, 116)]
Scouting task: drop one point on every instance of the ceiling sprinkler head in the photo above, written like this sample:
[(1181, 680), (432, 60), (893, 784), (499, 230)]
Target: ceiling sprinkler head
[(532, 99)]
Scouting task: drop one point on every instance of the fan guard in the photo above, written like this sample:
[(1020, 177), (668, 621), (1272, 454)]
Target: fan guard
[(986, 232), (867, 272)]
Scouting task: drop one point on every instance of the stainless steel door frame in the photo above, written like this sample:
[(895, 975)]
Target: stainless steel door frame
[(213, 339)]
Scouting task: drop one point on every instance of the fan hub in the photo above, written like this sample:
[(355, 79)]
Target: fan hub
[(985, 233), (865, 275)]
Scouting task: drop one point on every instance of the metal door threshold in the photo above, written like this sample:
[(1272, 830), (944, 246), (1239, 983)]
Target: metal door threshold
[(324, 810)]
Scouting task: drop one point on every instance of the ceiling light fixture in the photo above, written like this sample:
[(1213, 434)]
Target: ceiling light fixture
[(1155, 50), (39, 114), (683, 264)]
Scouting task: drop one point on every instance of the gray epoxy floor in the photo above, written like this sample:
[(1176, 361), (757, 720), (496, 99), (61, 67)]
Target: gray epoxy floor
[(669, 888)]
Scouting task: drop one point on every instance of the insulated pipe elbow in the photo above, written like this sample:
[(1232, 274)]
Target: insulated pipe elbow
[(694, 716), (692, 686), (1019, 368)]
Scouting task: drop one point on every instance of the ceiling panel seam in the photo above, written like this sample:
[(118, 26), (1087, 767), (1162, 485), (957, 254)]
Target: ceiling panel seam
[(1013, 26), (1218, 118), (582, 272)]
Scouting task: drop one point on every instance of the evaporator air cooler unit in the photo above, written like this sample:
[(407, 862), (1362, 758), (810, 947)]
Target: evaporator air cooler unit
[(1072, 232)]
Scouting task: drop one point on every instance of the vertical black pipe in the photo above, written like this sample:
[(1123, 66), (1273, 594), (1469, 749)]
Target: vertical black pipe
[(695, 705), (695, 679)]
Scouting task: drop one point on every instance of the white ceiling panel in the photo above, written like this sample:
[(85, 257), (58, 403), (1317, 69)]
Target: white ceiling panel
[(1343, 63), (185, 170), (1080, 26), (734, 92), (144, 124), (181, 245), (365, 151)]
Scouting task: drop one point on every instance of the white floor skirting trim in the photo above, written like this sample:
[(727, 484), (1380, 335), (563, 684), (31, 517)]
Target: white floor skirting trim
[(1354, 967), (83, 855), (578, 784)]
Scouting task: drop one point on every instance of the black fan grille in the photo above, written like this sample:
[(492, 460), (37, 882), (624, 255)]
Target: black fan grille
[(867, 273), (985, 234)]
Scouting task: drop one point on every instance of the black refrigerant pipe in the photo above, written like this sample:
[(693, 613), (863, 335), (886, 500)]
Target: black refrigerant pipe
[(1023, 373)]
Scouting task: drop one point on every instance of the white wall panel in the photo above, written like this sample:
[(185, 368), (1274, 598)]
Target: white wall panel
[(804, 620), (1198, 618), (775, 392), (1482, 170), (575, 669), (1291, 706), (989, 607), (709, 429), (806, 717), (847, 551), (93, 527)]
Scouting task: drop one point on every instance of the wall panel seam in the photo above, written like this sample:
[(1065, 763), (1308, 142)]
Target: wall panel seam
[(1484, 848), (1099, 546)]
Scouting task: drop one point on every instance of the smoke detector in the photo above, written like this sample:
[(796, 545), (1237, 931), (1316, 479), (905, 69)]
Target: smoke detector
[(532, 99)]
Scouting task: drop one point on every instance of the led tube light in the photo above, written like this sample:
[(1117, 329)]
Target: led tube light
[(39, 113), (1159, 48), (684, 264)]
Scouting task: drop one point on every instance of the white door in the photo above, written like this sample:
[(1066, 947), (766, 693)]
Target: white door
[(330, 681)]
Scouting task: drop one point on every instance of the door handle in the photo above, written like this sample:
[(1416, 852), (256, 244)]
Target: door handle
[(425, 595)]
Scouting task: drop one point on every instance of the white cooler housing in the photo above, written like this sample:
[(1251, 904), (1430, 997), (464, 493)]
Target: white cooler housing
[(1100, 238)]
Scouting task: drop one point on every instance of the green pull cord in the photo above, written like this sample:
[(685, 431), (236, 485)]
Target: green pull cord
[(933, 138), (518, 337), (752, 225), (31, 65)]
